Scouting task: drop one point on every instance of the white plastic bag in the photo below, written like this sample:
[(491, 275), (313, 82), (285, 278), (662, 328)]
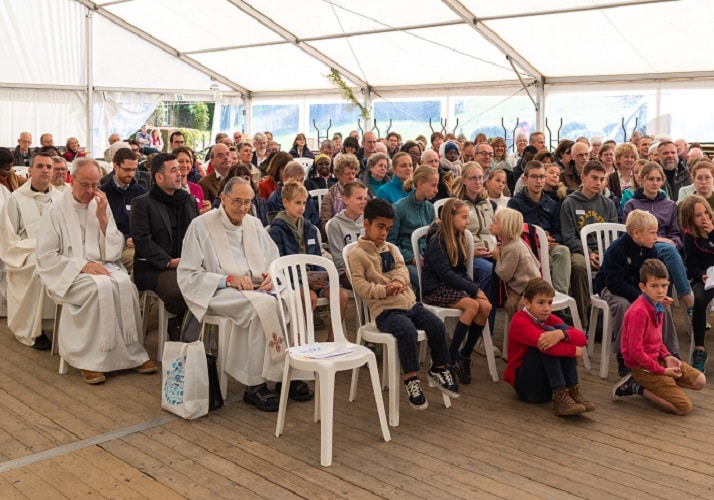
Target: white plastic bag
[(184, 388)]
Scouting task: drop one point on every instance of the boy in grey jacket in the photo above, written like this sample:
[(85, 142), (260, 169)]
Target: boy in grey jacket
[(582, 207)]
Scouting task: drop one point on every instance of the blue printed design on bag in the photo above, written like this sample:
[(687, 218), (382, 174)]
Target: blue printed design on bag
[(173, 388)]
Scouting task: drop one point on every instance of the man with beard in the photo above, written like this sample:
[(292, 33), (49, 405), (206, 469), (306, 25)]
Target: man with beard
[(675, 172)]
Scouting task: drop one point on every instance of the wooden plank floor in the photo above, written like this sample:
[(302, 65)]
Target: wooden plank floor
[(61, 438)]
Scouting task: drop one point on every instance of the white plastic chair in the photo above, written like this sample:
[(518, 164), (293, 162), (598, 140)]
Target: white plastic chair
[(319, 194), (305, 162), (560, 301), (367, 331), (438, 204), (443, 312), (604, 233), (164, 317), (288, 273), (22, 171)]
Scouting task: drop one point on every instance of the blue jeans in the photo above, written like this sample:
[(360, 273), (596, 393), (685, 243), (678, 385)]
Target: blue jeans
[(673, 260), (540, 374), (403, 324)]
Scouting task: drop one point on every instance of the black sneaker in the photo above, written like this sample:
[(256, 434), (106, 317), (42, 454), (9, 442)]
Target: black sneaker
[(699, 359), (625, 387), (622, 369), (42, 343), (262, 398), (444, 382), (417, 400)]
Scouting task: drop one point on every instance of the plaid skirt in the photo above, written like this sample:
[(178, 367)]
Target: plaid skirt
[(444, 296)]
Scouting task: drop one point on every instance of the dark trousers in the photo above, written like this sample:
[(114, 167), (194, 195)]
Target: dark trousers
[(702, 298), (168, 290), (403, 324), (540, 374)]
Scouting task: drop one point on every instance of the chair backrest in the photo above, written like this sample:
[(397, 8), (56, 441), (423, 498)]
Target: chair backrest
[(288, 273), (22, 171), (544, 258), (438, 204), (604, 234), (305, 162), (421, 233), (363, 315), (319, 194)]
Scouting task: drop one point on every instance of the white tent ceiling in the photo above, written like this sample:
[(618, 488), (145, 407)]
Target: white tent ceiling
[(272, 49)]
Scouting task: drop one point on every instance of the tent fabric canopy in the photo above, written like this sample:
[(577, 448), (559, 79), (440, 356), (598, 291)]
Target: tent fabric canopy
[(223, 50)]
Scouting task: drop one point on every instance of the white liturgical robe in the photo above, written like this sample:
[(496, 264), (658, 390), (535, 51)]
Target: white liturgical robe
[(4, 196), (27, 304), (199, 277), (100, 324)]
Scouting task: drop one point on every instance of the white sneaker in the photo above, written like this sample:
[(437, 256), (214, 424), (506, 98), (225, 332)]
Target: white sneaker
[(480, 349)]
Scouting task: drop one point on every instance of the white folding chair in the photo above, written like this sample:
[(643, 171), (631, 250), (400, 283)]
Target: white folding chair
[(443, 312), (438, 204), (319, 194), (288, 273), (560, 301), (164, 317), (306, 163), (367, 331), (604, 233)]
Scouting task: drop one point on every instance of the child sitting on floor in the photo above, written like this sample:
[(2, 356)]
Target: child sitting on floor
[(446, 283), (381, 278), (515, 262), (654, 372), (543, 354)]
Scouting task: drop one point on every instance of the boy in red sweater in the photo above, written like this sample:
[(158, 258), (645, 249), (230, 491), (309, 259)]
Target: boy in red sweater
[(543, 354), (654, 372)]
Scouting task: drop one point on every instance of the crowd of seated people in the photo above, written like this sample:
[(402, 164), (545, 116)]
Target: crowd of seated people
[(149, 208)]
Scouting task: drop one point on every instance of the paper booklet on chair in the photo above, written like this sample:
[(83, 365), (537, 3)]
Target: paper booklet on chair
[(319, 351)]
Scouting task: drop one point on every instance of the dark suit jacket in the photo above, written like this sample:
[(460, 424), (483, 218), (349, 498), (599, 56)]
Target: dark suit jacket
[(151, 231), (209, 184)]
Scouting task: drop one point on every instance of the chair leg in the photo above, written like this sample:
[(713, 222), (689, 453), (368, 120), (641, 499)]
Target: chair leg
[(390, 357), (592, 327), (163, 329), (488, 346), (280, 424), (606, 345), (145, 313), (355, 371), (224, 332), (506, 326), (579, 326), (316, 409), (327, 396), (374, 374)]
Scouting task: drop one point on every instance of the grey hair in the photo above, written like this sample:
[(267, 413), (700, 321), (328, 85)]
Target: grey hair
[(236, 180), (376, 158), (293, 169), (82, 161), (59, 159), (258, 136)]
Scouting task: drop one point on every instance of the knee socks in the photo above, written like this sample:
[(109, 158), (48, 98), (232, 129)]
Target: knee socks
[(475, 331), (459, 333)]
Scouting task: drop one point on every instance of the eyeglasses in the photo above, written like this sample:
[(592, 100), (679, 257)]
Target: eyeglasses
[(537, 177), (239, 201), (477, 178), (128, 170), (486, 153), (87, 186)]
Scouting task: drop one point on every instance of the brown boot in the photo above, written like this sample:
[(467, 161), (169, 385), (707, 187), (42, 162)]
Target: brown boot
[(564, 405), (91, 377), (148, 367), (577, 396)]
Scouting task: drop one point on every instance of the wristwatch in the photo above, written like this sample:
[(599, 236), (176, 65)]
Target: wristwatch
[(566, 337)]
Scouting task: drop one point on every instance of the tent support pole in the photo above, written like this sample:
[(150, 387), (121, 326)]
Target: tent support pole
[(247, 114), (367, 103), (90, 84)]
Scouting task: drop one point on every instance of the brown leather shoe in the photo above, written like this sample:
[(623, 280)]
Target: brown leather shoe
[(92, 378), (148, 367)]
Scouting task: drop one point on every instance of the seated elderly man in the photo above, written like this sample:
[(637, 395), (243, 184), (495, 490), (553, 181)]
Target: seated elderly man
[(222, 271), (19, 225), (78, 258)]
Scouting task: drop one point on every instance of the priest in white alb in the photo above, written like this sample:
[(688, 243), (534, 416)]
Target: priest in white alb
[(78, 258), (27, 301), (223, 271)]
